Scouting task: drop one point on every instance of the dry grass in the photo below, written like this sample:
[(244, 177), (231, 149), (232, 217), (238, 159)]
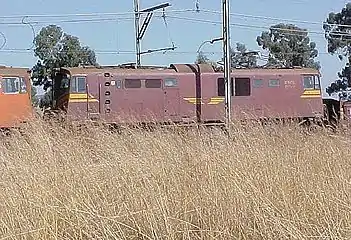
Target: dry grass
[(262, 184)]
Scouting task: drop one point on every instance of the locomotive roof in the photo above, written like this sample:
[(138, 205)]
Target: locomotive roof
[(274, 71), (4, 70), (173, 68), (185, 68), (115, 69)]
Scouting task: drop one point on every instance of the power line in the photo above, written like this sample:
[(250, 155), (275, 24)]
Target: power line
[(118, 14), (249, 26), (70, 21), (87, 14), (169, 11), (24, 50), (276, 19), (259, 27), (292, 31)]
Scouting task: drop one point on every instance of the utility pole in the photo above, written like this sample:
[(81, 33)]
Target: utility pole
[(140, 31), (137, 30), (227, 60)]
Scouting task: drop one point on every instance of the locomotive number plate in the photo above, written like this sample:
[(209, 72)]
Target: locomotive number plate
[(289, 84)]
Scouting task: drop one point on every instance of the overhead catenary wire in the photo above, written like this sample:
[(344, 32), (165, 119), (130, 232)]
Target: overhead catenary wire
[(33, 32), (119, 14), (191, 19), (250, 26), (167, 28), (157, 11), (4, 40), (277, 19), (25, 50), (175, 17), (98, 20), (88, 14), (293, 31)]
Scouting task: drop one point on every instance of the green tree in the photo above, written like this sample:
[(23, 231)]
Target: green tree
[(55, 49), (289, 46), (337, 34), (202, 58), (239, 58), (34, 97), (242, 58)]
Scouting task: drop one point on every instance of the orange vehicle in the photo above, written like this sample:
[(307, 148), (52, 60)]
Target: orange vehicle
[(15, 96)]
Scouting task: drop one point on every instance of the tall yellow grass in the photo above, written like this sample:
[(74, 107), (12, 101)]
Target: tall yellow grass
[(262, 183)]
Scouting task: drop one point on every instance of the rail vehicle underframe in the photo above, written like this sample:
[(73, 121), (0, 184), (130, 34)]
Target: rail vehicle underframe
[(95, 109), (333, 112), (62, 115)]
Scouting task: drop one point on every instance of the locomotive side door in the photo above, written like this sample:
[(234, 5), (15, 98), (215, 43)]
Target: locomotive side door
[(172, 102), (93, 97)]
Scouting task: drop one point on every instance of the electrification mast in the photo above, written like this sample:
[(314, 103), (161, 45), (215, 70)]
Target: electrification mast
[(140, 31), (226, 58), (137, 30)]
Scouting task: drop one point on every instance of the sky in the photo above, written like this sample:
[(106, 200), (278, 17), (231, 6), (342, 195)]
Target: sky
[(113, 37)]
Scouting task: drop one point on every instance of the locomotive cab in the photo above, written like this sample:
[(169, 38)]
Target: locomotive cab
[(71, 94), (61, 90), (312, 95), (15, 96), (311, 84)]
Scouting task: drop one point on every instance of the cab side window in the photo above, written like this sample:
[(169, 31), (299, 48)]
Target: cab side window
[(132, 83), (170, 82), (221, 87), (242, 87), (257, 83), (317, 83), (64, 83), (273, 83), (78, 84), (23, 85), (153, 83), (13, 85), (311, 82)]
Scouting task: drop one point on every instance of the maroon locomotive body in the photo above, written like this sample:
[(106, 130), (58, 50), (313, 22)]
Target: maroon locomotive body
[(184, 93)]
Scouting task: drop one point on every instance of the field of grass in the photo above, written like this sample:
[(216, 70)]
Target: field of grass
[(267, 183)]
